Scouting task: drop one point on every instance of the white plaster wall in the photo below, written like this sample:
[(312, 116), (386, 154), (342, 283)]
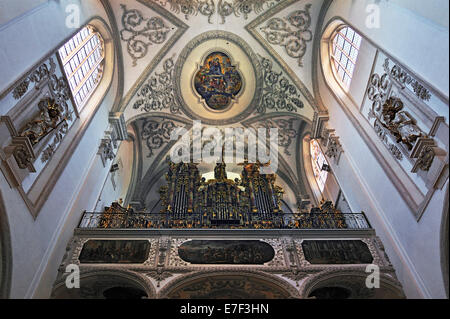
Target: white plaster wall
[(11, 10), (414, 247), (331, 190), (39, 245)]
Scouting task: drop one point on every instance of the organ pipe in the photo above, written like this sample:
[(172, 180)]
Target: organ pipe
[(220, 201)]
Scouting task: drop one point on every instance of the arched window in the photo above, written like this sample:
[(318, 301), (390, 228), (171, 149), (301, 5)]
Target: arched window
[(318, 161), (345, 48), (82, 59)]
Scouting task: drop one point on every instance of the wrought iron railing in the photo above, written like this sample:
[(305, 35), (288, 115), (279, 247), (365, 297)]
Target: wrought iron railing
[(158, 220)]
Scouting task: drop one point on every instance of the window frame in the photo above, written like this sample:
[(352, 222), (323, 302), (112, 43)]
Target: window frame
[(354, 45), (98, 65)]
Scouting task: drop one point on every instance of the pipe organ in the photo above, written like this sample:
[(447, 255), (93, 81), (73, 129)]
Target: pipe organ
[(253, 202), (191, 201)]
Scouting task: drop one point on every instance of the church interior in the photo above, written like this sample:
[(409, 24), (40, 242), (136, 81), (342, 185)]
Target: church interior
[(128, 138)]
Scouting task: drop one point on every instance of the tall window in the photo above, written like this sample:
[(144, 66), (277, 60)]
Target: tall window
[(345, 49), (82, 59), (318, 160)]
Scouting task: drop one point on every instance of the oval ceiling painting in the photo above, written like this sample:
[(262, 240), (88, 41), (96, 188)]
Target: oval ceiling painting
[(226, 252), (218, 82)]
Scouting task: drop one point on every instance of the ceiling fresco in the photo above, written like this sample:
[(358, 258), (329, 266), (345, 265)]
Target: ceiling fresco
[(218, 82), (227, 63)]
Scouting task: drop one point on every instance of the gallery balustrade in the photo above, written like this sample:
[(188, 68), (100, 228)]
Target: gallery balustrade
[(139, 220)]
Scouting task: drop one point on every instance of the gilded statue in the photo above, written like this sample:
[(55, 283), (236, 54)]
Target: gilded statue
[(50, 116), (400, 123)]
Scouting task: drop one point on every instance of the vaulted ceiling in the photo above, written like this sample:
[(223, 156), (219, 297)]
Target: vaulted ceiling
[(164, 43)]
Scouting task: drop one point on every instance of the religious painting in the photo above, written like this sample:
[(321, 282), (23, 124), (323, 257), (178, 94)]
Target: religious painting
[(227, 287), (336, 252), (226, 252), (218, 81), (115, 251)]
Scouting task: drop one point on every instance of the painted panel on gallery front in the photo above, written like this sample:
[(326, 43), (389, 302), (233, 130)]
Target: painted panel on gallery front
[(336, 252), (226, 252), (115, 251)]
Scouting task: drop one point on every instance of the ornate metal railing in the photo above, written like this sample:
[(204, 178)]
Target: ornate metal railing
[(158, 220)]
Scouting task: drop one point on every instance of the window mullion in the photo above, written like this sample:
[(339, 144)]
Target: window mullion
[(77, 49), (86, 77), (84, 60), (343, 52), (82, 67), (340, 44), (342, 66)]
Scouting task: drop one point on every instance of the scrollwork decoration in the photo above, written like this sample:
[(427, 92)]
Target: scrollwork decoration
[(245, 7), (395, 151), (207, 9), (158, 92), (186, 7), (425, 159), (279, 93), (241, 7), (140, 32), (378, 92), (286, 132), (280, 31), (380, 86), (400, 123), (51, 148), (51, 115), (394, 125), (156, 134), (191, 7), (43, 71), (403, 78), (21, 89), (23, 157), (223, 8)]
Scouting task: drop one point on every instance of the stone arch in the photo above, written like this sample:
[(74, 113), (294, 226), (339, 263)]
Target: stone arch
[(354, 281), (118, 52), (5, 253), (219, 284), (94, 282)]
